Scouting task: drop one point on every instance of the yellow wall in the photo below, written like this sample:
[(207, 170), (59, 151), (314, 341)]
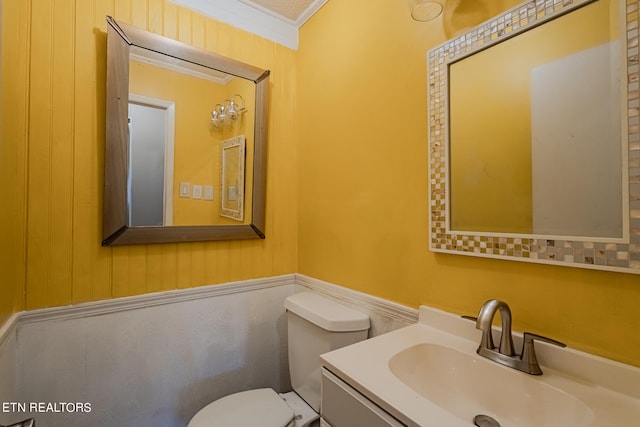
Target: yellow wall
[(54, 56), (13, 153), (363, 190)]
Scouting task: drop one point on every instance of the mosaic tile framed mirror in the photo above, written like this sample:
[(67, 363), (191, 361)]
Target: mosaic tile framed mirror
[(534, 136)]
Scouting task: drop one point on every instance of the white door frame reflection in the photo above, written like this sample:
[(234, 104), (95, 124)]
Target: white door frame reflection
[(148, 205)]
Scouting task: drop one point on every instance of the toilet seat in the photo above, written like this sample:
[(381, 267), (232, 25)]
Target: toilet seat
[(261, 407)]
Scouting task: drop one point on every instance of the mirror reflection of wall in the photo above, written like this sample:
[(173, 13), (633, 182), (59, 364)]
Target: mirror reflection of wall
[(575, 118), (461, 15), (233, 181), (196, 155), (535, 131)]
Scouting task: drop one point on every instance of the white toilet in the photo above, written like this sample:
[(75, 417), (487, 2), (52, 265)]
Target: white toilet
[(316, 325)]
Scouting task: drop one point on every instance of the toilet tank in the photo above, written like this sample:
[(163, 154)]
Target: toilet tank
[(317, 325)]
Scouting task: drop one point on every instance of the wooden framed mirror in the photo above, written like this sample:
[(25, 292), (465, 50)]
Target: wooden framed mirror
[(173, 193)]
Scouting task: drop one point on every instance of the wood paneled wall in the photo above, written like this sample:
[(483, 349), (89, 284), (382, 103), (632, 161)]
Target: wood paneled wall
[(54, 59)]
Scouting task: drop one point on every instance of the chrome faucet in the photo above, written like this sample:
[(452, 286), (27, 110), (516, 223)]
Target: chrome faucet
[(504, 353)]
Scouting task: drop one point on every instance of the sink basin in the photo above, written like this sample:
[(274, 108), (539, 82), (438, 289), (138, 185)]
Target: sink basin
[(467, 385)]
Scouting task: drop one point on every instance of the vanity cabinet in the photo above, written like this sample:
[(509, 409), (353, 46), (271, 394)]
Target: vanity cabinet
[(344, 406)]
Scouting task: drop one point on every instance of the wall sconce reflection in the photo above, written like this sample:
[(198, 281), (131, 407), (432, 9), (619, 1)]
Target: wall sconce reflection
[(229, 111)]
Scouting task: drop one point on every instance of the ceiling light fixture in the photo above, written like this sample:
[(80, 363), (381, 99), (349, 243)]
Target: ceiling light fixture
[(425, 10)]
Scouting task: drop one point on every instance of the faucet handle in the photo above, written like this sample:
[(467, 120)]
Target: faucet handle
[(529, 352), (529, 337)]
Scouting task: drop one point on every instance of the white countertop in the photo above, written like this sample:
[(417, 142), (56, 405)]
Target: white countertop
[(610, 389)]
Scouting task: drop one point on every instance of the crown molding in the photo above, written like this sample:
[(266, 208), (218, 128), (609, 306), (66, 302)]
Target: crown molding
[(313, 7), (310, 11), (253, 19)]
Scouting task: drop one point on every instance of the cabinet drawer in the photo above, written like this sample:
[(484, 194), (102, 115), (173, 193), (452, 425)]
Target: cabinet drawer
[(343, 406)]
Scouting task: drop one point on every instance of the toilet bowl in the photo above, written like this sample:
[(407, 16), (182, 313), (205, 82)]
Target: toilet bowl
[(316, 325)]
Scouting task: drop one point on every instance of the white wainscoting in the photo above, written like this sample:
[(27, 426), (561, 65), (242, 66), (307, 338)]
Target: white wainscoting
[(156, 359), (8, 349), (385, 315)]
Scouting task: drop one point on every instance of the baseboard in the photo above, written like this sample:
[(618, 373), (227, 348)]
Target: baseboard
[(8, 328)]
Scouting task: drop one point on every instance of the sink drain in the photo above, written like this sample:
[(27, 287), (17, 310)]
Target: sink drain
[(485, 421)]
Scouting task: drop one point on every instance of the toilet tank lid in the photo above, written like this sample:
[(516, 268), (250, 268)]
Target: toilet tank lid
[(326, 313)]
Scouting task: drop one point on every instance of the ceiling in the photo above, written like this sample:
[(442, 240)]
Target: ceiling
[(276, 20)]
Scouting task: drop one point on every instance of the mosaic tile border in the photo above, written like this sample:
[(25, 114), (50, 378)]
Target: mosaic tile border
[(597, 255)]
